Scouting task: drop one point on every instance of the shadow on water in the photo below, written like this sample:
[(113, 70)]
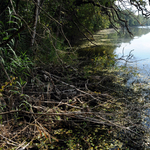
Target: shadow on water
[(92, 52), (136, 97), (108, 42)]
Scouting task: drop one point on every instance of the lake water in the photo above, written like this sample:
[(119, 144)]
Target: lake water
[(131, 51), (140, 47)]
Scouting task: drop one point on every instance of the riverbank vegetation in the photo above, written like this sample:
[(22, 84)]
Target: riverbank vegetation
[(56, 96)]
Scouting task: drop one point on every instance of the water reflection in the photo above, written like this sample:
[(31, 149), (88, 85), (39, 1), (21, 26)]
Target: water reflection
[(139, 43), (141, 46), (94, 51), (141, 52), (122, 44)]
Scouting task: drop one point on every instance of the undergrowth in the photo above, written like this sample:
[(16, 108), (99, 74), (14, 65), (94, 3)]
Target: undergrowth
[(66, 108)]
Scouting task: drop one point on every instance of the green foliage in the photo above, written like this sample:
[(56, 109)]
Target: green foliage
[(59, 22), (105, 61), (16, 65), (87, 18), (20, 65), (133, 19), (100, 21), (9, 26)]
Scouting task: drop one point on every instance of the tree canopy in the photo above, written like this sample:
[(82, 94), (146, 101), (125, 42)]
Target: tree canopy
[(67, 19), (38, 27)]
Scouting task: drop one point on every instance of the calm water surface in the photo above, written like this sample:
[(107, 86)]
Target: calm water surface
[(137, 47), (140, 47)]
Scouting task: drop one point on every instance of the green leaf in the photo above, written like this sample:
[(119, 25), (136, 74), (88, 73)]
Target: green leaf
[(1, 23), (16, 18), (12, 29), (6, 38), (10, 48), (2, 32), (12, 22)]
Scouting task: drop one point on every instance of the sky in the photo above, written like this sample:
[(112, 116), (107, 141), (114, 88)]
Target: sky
[(125, 4)]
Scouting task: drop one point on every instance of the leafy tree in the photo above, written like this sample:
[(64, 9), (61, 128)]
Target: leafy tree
[(72, 14), (42, 26)]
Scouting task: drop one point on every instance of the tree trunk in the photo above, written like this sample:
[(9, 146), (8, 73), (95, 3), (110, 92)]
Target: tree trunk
[(36, 14)]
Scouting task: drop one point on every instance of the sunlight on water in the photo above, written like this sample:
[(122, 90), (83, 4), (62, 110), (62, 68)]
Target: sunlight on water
[(140, 47), (135, 54)]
